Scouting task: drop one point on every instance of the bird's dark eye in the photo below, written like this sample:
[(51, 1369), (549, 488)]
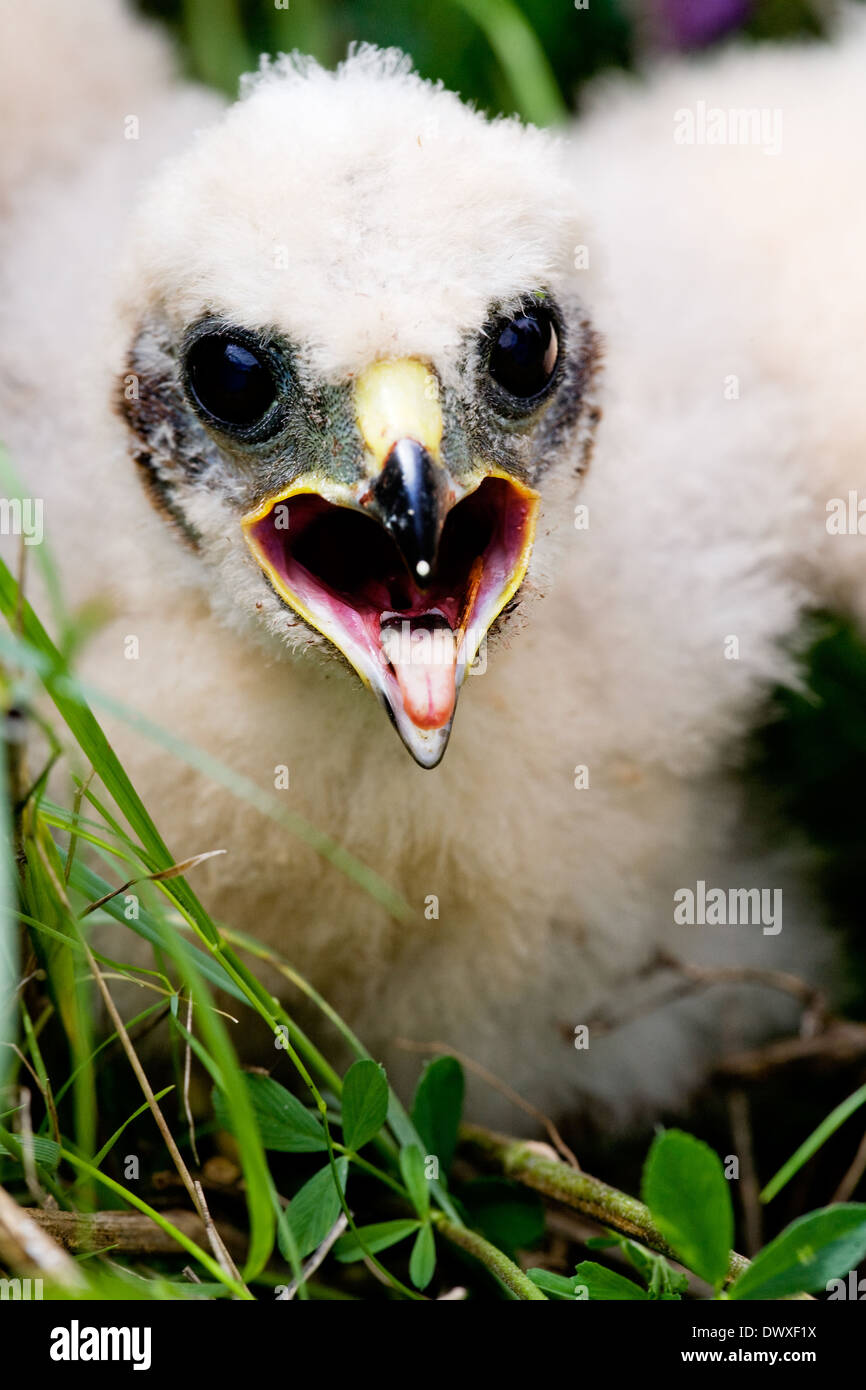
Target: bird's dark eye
[(230, 380), (525, 353)]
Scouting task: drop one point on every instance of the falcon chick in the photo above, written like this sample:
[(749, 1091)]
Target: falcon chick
[(311, 386)]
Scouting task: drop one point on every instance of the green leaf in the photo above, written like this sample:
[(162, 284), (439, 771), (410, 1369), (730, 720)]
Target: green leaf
[(437, 1108), (604, 1285), (365, 1102), (412, 1168), (814, 1142), (423, 1259), (556, 1285), (376, 1237), (314, 1209), (45, 1152), (510, 1216), (663, 1282), (284, 1123), (811, 1251), (685, 1188)]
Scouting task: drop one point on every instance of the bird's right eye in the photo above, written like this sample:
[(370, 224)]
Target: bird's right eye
[(231, 381), (525, 353)]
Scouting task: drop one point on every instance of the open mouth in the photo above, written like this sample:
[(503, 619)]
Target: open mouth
[(341, 570)]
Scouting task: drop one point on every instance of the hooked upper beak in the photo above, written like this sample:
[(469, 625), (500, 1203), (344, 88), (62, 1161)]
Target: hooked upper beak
[(404, 569), (400, 419), (410, 497)]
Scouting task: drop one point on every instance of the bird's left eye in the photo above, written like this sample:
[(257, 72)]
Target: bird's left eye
[(525, 353), (230, 380)]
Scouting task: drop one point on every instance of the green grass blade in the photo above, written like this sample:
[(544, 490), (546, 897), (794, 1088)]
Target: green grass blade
[(91, 886), (68, 694), (521, 57), (217, 41), (9, 963), (110, 1143), (94, 744), (816, 1139), (106, 1042)]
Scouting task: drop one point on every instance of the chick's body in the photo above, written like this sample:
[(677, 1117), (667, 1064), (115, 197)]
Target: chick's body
[(592, 770)]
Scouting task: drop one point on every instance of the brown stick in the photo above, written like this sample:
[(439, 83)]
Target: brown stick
[(845, 1191), (689, 979), (128, 1232), (842, 1042), (749, 1188), (26, 1247)]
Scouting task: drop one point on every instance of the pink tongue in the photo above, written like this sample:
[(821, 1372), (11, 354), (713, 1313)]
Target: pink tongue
[(425, 666)]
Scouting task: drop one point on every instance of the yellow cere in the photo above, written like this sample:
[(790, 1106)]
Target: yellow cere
[(398, 400)]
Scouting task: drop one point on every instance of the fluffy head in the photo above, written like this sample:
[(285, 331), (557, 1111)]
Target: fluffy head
[(404, 214), (368, 239)]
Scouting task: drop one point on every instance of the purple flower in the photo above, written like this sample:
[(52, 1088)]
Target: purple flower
[(693, 23)]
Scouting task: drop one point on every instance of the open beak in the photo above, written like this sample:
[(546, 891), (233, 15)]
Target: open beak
[(406, 569)]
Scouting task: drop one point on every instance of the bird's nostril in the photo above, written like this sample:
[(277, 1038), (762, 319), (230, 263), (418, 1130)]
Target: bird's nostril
[(409, 497)]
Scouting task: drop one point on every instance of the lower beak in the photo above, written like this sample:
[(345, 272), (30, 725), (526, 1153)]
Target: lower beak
[(406, 570)]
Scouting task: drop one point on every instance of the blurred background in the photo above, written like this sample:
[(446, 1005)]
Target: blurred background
[(808, 764), (530, 57)]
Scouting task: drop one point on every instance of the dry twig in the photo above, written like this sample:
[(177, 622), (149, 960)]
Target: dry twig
[(30, 1249), (129, 1232), (499, 1085)]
